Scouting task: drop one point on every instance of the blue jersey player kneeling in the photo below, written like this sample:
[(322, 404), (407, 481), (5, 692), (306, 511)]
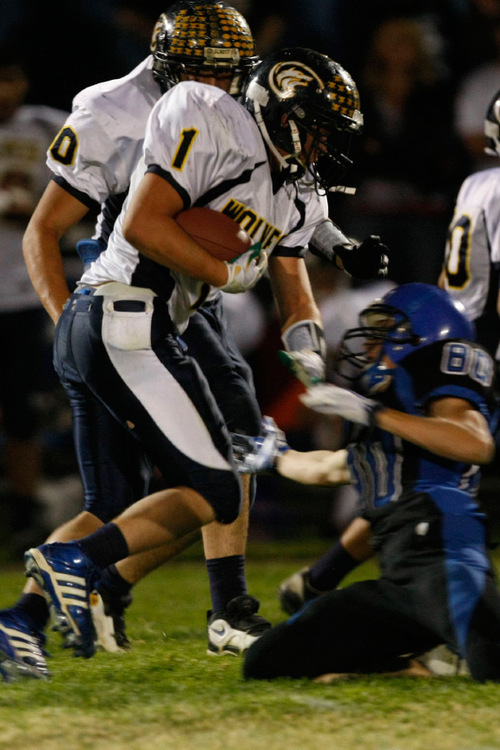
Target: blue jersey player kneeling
[(414, 441)]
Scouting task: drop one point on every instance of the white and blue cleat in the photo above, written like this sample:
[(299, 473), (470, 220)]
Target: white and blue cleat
[(67, 577), (21, 649)]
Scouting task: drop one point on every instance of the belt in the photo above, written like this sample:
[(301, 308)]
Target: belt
[(85, 299)]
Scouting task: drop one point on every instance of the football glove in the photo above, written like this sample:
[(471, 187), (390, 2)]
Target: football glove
[(308, 366), (332, 400), (305, 352), (368, 260), (256, 455), (245, 270)]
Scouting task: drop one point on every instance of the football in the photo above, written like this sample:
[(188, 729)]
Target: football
[(217, 233)]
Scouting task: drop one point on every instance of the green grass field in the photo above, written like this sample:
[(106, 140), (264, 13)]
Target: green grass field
[(168, 693)]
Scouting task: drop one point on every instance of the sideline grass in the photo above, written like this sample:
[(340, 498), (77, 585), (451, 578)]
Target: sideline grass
[(168, 693)]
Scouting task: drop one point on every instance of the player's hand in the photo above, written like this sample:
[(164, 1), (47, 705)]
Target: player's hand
[(368, 260), (308, 366), (331, 400), (245, 270), (256, 455)]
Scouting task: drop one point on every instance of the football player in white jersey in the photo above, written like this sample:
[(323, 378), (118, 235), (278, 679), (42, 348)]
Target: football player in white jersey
[(119, 338), (471, 267), (92, 160)]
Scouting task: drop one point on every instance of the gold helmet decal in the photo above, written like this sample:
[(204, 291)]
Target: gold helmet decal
[(215, 27), (156, 31), (344, 96), (285, 77)]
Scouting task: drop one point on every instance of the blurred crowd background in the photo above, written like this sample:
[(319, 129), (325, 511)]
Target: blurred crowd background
[(426, 71)]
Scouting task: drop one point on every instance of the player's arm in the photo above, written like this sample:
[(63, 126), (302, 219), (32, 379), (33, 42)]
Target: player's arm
[(150, 226), (56, 212), (365, 260), (301, 326), (314, 467), (452, 428), (292, 291)]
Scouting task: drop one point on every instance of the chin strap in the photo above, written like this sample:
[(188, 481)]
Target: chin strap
[(291, 168)]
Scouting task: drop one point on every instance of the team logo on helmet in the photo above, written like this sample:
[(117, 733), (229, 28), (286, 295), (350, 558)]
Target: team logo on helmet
[(286, 77), (156, 32)]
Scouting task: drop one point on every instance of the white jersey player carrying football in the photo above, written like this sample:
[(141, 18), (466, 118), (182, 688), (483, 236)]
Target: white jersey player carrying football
[(106, 129), (118, 335), (220, 162), (92, 160)]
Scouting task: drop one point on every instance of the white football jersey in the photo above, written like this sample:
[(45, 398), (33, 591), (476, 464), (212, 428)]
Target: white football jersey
[(100, 144), (210, 149), (471, 268), (473, 244)]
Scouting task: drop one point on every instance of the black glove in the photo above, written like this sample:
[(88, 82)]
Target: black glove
[(368, 260)]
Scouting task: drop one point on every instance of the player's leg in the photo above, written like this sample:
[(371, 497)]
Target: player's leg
[(360, 629), (233, 622), (328, 571), (184, 429)]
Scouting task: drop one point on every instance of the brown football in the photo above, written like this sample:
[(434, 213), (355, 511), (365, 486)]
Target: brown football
[(220, 235)]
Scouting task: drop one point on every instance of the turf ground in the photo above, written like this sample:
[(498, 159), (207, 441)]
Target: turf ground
[(167, 693)]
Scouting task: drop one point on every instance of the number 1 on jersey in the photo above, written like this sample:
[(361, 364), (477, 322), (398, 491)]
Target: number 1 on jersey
[(187, 138)]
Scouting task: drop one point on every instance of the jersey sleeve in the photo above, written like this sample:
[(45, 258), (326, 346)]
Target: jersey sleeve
[(455, 369), (309, 210), (85, 158), (188, 142)]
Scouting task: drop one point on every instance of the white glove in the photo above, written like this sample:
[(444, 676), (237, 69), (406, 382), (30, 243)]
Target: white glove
[(255, 455), (306, 365), (245, 270), (331, 400)]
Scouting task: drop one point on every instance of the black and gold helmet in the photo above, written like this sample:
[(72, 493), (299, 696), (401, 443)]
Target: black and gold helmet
[(295, 93), (194, 34), (492, 127)]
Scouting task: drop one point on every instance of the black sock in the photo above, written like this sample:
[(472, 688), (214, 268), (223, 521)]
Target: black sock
[(329, 570), (113, 581), (105, 546), (226, 576), (35, 608)]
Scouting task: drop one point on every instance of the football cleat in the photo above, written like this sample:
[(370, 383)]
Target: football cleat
[(295, 591), (236, 628), (108, 616), (67, 577), (443, 662), (21, 649)]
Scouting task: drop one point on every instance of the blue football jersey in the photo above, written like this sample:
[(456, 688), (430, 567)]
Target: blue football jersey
[(384, 465)]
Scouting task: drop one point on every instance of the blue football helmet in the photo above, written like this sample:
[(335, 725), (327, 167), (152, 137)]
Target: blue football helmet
[(406, 319)]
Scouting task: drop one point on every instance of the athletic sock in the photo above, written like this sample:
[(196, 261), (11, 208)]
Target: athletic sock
[(226, 576), (105, 546), (35, 608), (329, 570), (113, 581)]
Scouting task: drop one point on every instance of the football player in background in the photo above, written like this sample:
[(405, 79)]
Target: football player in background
[(25, 133), (414, 454), (268, 164), (471, 267)]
